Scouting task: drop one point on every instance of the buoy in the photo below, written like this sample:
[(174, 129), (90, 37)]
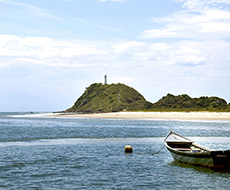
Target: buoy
[(128, 149)]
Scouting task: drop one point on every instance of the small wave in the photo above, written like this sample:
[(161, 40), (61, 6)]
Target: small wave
[(34, 115), (73, 141), (40, 142)]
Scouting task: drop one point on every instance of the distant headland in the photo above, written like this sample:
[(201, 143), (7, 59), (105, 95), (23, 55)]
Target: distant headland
[(105, 98)]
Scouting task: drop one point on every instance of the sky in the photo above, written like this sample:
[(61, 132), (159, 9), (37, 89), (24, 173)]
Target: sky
[(50, 51)]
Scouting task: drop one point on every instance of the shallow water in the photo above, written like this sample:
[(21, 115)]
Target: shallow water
[(77, 153)]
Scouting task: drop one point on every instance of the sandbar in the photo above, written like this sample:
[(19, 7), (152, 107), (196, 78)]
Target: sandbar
[(153, 115)]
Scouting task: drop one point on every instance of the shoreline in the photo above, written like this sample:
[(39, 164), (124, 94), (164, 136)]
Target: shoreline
[(224, 116)]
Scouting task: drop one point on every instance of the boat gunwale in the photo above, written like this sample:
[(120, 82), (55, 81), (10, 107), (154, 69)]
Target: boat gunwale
[(205, 154), (190, 154), (188, 141)]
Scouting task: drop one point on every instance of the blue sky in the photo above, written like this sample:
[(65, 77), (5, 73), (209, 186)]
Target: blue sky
[(51, 50)]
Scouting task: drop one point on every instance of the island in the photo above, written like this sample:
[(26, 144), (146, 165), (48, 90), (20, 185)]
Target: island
[(101, 98)]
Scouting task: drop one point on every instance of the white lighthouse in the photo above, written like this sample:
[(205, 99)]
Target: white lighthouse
[(105, 79)]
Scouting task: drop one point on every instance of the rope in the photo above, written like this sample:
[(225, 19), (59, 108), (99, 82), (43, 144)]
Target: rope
[(153, 153), (158, 151)]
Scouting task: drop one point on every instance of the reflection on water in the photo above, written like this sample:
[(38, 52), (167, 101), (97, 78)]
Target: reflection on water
[(201, 169)]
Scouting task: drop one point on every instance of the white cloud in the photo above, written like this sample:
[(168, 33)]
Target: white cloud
[(41, 50), (202, 5), (24, 9), (127, 46), (213, 27), (199, 19), (200, 33), (50, 62)]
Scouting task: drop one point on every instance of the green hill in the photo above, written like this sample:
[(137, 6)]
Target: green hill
[(186, 103), (109, 98), (99, 98)]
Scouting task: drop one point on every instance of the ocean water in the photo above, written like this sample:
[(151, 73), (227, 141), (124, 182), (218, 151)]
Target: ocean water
[(77, 153)]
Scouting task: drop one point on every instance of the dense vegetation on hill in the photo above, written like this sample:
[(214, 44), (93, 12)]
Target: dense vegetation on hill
[(109, 98), (99, 98), (186, 103)]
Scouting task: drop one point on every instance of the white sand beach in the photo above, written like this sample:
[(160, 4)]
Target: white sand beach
[(153, 115)]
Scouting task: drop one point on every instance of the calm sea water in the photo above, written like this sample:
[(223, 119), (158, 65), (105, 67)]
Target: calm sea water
[(77, 153)]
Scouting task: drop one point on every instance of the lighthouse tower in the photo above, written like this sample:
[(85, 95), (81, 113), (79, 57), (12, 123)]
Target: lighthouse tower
[(105, 79)]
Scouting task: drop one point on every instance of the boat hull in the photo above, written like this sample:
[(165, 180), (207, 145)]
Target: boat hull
[(221, 159), (201, 160), (216, 159)]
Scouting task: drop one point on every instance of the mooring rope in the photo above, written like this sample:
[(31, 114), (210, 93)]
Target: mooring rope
[(153, 153), (158, 151)]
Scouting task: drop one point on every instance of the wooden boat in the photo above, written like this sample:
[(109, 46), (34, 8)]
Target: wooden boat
[(184, 150)]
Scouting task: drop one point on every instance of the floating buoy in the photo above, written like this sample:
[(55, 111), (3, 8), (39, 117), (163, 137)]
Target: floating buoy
[(128, 149)]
